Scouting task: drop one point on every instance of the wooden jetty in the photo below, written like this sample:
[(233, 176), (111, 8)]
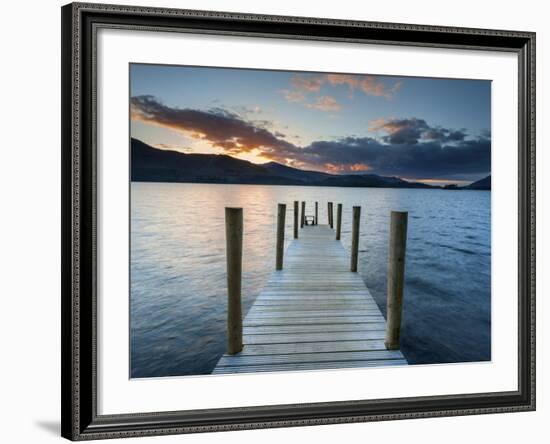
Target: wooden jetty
[(313, 314)]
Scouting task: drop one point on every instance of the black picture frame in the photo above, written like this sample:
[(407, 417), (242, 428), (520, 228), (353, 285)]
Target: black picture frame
[(80, 22)]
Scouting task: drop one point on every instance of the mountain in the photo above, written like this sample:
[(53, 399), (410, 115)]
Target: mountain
[(370, 180), (154, 165), (294, 173), (483, 184), (150, 164)]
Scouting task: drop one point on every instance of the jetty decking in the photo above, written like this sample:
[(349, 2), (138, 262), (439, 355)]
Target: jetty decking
[(313, 314)]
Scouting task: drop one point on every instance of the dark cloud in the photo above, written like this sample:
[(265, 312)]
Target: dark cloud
[(411, 131), (409, 148), (419, 160), (400, 131), (222, 128), (443, 134)]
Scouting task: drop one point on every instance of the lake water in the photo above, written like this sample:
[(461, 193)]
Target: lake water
[(178, 287)]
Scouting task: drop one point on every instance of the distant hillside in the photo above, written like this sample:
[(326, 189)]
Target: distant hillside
[(294, 173), (483, 184), (153, 165), (150, 164)]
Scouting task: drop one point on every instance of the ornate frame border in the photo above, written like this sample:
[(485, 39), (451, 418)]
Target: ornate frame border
[(80, 22)]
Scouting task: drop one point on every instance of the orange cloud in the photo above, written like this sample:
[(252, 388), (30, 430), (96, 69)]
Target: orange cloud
[(338, 168), (172, 147), (333, 168), (377, 124), (325, 103), (359, 167), (219, 127), (311, 84), (370, 85)]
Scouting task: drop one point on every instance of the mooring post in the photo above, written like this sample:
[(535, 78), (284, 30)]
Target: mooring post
[(234, 253), (338, 221), (396, 278), (330, 215), (316, 212), (281, 213), (303, 219), (355, 237), (295, 219)]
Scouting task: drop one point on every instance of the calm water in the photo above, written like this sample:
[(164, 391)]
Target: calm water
[(178, 288)]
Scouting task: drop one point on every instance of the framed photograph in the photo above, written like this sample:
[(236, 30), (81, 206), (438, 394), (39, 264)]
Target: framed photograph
[(281, 221)]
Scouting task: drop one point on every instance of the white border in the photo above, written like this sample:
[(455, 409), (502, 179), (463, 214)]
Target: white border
[(118, 394)]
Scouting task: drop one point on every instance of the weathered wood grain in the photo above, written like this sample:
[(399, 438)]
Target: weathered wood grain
[(308, 366)]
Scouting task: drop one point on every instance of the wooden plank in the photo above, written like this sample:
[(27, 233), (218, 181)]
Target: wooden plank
[(314, 328), (250, 322), (308, 307), (303, 358), (310, 366), (312, 347), (294, 338), (336, 297), (291, 304), (259, 313), (319, 296), (314, 314)]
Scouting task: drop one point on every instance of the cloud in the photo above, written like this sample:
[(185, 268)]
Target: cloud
[(409, 148), (304, 85), (220, 127), (370, 85), (309, 83), (400, 130), (172, 147), (359, 167), (325, 103), (428, 159), (293, 96), (411, 131), (246, 110)]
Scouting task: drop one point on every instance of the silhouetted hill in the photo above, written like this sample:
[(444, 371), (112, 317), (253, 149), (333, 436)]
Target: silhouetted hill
[(294, 173), (370, 180), (154, 165), (483, 184), (150, 164)]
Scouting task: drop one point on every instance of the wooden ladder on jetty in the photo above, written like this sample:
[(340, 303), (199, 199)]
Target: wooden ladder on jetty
[(314, 314)]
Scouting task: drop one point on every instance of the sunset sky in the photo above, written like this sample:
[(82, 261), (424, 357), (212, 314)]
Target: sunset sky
[(431, 130)]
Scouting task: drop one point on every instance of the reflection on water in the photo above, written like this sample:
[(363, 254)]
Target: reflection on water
[(178, 288)]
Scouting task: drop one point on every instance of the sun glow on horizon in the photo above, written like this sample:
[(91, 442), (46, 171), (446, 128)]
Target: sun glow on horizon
[(439, 181), (253, 156)]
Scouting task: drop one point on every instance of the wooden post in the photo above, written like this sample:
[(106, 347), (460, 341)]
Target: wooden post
[(234, 253), (295, 219), (355, 237), (281, 213), (396, 278), (338, 221), (316, 212), (303, 219), (330, 215)]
